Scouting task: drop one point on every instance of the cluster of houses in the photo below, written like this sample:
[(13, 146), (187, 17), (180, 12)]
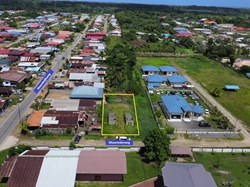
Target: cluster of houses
[(64, 114), (163, 77), (175, 107), (84, 78), (47, 167), (114, 24), (19, 64)]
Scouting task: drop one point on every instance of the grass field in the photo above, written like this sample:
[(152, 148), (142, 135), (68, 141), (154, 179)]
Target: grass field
[(211, 75), (119, 105), (227, 167), (137, 171)]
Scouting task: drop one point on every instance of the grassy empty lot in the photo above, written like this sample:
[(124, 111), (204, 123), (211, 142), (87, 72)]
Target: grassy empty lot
[(211, 75), (119, 105), (137, 171), (227, 167)]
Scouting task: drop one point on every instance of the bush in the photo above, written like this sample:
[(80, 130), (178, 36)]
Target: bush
[(72, 145), (69, 131), (19, 149), (41, 132), (169, 130)]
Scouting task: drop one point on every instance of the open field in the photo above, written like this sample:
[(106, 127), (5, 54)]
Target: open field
[(227, 167), (137, 171), (119, 105), (211, 75)]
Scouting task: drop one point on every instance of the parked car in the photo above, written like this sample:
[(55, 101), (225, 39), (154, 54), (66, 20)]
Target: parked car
[(77, 139), (21, 98), (206, 111), (122, 138), (204, 124)]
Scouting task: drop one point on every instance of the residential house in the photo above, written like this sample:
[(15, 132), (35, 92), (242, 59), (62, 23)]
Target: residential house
[(5, 91), (5, 63), (177, 81), (149, 70), (158, 79), (84, 77), (58, 121), (186, 174), (35, 118), (101, 166), (239, 62), (95, 35), (12, 78), (168, 70), (176, 107), (86, 92), (88, 105)]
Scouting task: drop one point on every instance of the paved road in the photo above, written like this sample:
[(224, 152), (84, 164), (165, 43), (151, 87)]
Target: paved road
[(236, 122), (21, 109), (106, 24)]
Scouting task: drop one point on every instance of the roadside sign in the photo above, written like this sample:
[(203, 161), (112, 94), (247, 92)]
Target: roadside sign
[(119, 142), (44, 80)]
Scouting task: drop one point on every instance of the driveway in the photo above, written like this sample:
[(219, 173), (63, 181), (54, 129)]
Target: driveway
[(236, 122)]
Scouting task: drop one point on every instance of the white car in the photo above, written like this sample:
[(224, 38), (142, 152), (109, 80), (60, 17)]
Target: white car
[(206, 111), (122, 138)]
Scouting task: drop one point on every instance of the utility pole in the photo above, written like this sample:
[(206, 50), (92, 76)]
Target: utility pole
[(55, 5)]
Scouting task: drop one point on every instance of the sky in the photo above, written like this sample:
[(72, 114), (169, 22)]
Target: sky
[(220, 3)]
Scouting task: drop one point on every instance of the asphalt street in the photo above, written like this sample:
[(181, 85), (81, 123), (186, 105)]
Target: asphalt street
[(21, 109)]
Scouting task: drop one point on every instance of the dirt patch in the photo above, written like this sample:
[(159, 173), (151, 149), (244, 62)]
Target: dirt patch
[(58, 94)]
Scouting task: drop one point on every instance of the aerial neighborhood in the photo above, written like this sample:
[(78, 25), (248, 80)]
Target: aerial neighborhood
[(109, 94)]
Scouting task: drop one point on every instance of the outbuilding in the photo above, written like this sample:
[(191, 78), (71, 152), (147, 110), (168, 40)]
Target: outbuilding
[(101, 166)]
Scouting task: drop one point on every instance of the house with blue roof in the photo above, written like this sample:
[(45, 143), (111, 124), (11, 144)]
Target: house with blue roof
[(176, 107), (197, 110), (86, 92), (149, 70), (159, 79), (177, 80), (168, 70)]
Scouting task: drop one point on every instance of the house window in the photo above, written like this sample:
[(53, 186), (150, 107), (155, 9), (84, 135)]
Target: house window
[(97, 177)]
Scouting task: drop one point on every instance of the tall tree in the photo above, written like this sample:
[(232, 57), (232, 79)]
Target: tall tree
[(156, 146)]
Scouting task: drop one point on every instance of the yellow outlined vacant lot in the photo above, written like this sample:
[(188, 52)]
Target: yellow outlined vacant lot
[(115, 106)]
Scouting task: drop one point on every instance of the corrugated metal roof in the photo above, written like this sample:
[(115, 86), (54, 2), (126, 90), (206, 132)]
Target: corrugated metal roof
[(176, 104), (149, 68), (63, 163), (191, 175), (65, 104), (25, 172), (102, 162)]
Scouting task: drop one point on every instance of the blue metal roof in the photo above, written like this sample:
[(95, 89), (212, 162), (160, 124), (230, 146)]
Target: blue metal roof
[(156, 79), (197, 109), (176, 79), (86, 92), (151, 86), (232, 87), (150, 68), (176, 104), (168, 69)]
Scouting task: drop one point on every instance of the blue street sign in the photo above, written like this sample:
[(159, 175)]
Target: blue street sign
[(119, 142), (44, 80)]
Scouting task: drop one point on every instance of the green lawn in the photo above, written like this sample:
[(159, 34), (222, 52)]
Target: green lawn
[(137, 171), (119, 105), (3, 155), (227, 167), (211, 75)]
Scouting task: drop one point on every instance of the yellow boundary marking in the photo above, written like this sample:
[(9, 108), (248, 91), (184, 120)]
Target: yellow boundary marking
[(135, 111)]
